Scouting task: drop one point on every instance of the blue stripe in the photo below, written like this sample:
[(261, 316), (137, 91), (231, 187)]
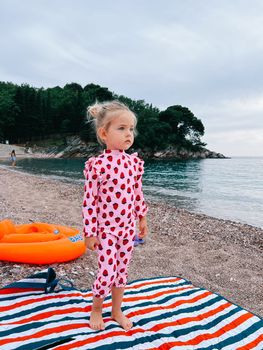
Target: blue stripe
[(18, 296), (187, 310), (22, 328), (46, 344), (30, 312), (27, 285), (38, 324), (146, 338), (170, 337), (161, 300), (157, 288), (237, 337), (136, 341)]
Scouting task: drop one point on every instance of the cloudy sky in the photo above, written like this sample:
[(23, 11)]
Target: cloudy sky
[(203, 54)]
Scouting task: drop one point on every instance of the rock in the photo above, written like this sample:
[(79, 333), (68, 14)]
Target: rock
[(76, 148)]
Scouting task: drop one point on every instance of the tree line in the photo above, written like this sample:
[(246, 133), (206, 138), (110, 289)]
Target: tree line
[(28, 113)]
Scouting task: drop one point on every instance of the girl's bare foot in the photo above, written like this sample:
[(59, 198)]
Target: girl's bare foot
[(123, 321), (96, 321)]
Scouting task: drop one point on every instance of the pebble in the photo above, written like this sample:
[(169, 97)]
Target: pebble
[(194, 246)]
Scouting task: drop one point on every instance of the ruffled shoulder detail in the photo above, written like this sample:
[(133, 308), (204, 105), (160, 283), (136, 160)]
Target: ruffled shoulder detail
[(139, 163), (91, 166)]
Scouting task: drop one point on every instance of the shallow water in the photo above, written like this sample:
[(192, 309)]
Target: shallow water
[(224, 188)]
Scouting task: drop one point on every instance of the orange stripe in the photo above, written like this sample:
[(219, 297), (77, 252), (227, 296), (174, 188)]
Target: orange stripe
[(46, 315), (156, 295), (252, 344), (87, 308), (164, 346), (207, 336), (28, 302), (156, 328), (7, 291), (185, 320), (32, 301), (153, 283), (177, 303), (89, 341), (43, 333), (149, 297)]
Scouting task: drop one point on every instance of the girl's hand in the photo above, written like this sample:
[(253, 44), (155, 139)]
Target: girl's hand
[(92, 242), (143, 227)]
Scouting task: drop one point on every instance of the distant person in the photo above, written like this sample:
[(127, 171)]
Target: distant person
[(113, 201), (13, 157)]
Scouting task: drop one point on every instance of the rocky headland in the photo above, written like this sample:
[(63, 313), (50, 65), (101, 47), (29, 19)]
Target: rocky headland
[(76, 148)]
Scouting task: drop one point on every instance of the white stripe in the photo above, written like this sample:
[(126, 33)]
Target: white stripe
[(259, 346), (133, 307), (47, 309), (71, 303), (49, 337), (42, 302), (249, 338), (106, 341), (142, 287), (16, 295), (139, 335), (156, 282), (182, 316), (173, 296), (224, 336), (32, 280), (157, 288), (175, 292), (42, 296), (186, 304), (46, 327)]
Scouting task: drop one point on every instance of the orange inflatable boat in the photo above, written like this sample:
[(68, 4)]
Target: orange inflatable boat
[(39, 243)]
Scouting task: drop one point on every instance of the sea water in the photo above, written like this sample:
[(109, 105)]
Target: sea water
[(223, 188)]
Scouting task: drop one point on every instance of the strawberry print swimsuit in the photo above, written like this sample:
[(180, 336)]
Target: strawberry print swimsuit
[(113, 200)]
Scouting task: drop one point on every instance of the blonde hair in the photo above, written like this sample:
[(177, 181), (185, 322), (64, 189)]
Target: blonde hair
[(102, 113)]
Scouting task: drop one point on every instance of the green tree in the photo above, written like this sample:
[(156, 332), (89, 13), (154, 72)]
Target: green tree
[(8, 111), (186, 128)]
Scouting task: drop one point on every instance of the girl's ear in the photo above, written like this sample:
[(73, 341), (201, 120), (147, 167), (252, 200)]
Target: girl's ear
[(102, 133)]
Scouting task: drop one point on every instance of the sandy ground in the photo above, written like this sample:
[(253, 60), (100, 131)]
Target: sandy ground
[(222, 256)]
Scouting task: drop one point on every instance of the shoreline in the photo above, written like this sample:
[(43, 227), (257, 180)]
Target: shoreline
[(153, 199), (223, 256)]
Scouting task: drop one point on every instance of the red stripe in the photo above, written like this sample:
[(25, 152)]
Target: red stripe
[(165, 346), (43, 333), (149, 297), (206, 336), (18, 290), (41, 299), (175, 304), (159, 282), (161, 326), (252, 344), (45, 315)]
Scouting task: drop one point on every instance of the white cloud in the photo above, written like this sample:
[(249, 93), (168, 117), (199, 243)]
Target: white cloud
[(237, 143), (201, 54)]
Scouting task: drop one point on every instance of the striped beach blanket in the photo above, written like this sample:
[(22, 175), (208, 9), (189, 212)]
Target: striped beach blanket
[(167, 312)]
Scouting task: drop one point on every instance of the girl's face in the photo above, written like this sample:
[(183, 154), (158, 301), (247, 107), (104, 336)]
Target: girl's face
[(120, 133)]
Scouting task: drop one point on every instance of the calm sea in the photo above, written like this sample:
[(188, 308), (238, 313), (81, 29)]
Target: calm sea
[(223, 188)]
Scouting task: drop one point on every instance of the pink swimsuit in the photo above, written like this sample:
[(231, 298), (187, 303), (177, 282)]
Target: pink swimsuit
[(113, 200)]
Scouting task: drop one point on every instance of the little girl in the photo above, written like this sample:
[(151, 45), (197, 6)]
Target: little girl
[(113, 200)]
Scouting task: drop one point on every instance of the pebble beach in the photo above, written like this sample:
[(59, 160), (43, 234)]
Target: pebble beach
[(220, 255)]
